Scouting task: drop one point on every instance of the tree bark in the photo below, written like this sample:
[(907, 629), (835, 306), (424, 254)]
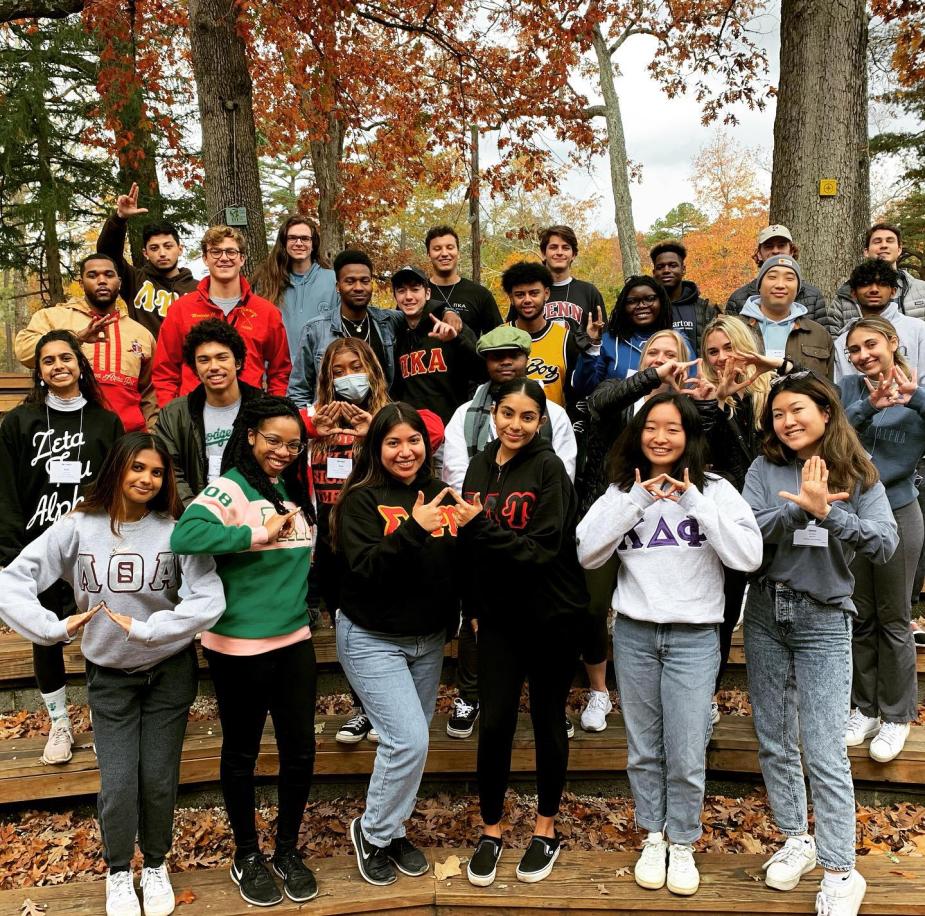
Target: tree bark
[(820, 131), (475, 223), (54, 291), (229, 140), (619, 161), (326, 157)]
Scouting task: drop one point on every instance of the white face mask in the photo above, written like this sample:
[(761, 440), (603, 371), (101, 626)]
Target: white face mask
[(352, 388)]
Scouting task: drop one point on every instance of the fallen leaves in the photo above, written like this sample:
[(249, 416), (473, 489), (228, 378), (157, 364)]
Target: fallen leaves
[(447, 869), (602, 890), (188, 895), (623, 872), (30, 908)]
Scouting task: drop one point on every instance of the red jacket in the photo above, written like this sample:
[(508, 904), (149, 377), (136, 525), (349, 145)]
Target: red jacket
[(257, 320)]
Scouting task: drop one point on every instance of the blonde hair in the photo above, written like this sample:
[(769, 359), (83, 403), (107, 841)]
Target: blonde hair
[(885, 329), (742, 339), (684, 353), (216, 234)]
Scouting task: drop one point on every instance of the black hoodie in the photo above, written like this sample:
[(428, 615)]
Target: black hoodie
[(523, 545), (691, 314)]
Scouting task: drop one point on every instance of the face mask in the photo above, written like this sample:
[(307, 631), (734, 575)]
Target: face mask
[(352, 387)]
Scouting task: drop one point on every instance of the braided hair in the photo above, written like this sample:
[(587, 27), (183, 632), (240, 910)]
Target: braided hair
[(239, 453)]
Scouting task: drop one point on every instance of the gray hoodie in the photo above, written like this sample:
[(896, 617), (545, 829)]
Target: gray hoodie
[(774, 333), (135, 574)]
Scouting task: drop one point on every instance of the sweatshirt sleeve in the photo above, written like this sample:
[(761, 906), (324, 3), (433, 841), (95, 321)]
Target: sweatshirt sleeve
[(167, 430), (563, 439), (607, 521), (12, 515), (26, 340), (202, 602), (777, 518), (276, 353), (211, 525), (455, 453), (728, 523), (168, 359), (111, 242), (871, 531)]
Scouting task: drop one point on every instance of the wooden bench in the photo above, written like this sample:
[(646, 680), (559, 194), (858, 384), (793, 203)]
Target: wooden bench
[(13, 388), (733, 750), (581, 882)]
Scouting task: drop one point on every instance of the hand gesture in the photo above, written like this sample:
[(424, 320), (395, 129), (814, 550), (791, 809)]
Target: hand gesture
[(676, 374), (451, 317), (430, 516), (357, 418), (653, 486), (595, 326), (280, 526), (127, 204), (885, 393), (443, 330), (905, 386), (78, 621), (814, 496), (96, 327), (699, 387), (465, 512), (123, 620), (758, 360), (676, 488), (734, 378), (327, 419)]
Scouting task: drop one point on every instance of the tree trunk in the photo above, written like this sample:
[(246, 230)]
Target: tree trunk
[(474, 214), (48, 203), (820, 131), (326, 158), (229, 140), (619, 161)]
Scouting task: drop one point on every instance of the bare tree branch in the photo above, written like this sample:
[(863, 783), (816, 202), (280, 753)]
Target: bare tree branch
[(11, 10)]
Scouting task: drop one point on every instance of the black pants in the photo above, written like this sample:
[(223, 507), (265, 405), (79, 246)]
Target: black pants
[(595, 639), (48, 661), (733, 591), (467, 662), (545, 654), (282, 683)]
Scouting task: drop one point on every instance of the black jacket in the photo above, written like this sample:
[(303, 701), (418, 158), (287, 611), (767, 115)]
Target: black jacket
[(703, 312), (734, 441), (523, 545)]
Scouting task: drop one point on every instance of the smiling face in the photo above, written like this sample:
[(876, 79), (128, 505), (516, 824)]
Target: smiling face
[(529, 300), (779, 288), (642, 306), (143, 479), (798, 422), (299, 243), (403, 452), (884, 246), (443, 252), (717, 348), (874, 297), (668, 269), (517, 419), (410, 298), (276, 444), (59, 369), (660, 348), (558, 254), (216, 367), (871, 353), (663, 438)]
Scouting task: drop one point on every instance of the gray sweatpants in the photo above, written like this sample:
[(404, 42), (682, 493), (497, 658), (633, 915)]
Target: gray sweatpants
[(884, 682), (139, 720)]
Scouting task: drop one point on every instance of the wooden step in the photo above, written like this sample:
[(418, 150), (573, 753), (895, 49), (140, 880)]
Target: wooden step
[(581, 882), (733, 750)]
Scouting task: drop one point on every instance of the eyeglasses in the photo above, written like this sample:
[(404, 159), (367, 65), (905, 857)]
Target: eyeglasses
[(304, 239), (651, 299), (294, 448), (219, 253)]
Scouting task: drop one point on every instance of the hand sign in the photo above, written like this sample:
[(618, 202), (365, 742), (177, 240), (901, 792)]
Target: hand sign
[(885, 393), (734, 379), (326, 419), (596, 325), (443, 331), (814, 496), (465, 512), (280, 526), (430, 516), (127, 204), (122, 620), (78, 621)]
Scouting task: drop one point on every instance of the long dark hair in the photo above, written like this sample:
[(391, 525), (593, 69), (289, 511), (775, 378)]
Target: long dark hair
[(626, 454), (239, 453), (621, 326), (87, 383), (368, 470), (105, 493), (271, 277)]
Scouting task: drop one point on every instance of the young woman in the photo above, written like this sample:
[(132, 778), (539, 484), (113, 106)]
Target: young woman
[(256, 519), (529, 602), (642, 308), (51, 448), (887, 408), (395, 534), (818, 501), (662, 512), (114, 551)]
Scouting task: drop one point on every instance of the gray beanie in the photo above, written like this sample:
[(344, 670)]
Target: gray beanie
[(780, 260)]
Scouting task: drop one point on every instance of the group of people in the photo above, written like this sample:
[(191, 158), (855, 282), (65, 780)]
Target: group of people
[(220, 458)]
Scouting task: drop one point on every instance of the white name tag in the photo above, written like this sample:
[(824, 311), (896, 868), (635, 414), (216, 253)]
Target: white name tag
[(776, 354), (64, 471), (215, 467), (811, 536), (339, 468)]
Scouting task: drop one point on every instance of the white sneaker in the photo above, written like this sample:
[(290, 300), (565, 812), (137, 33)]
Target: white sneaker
[(650, 866), (793, 860), (714, 713), (59, 743), (841, 898), (121, 899), (889, 742), (860, 728), (158, 894), (683, 877), (594, 715)]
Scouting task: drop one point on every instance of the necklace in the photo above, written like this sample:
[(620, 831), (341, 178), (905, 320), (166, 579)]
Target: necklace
[(358, 327), (444, 296)]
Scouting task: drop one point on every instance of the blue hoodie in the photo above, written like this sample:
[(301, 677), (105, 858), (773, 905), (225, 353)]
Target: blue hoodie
[(308, 296), (774, 333)]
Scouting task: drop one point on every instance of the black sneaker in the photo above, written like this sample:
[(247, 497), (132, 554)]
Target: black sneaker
[(538, 860), (406, 857), (254, 880), (354, 730), (462, 721), (298, 881), (484, 862), (569, 728), (373, 861)]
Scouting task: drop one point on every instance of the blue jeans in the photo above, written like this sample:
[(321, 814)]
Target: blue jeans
[(796, 647), (396, 679), (665, 673)]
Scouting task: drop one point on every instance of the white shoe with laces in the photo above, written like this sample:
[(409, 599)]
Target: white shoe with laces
[(889, 742), (860, 728), (793, 860), (683, 877), (121, 899), (714, 713), (650, 868), (60, 741), (157, 892), (594, 715), (841, 898)]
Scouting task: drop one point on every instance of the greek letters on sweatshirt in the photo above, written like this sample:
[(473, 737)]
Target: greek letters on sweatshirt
[(864, 524), (671, 553), (135, 573), (265, 584)]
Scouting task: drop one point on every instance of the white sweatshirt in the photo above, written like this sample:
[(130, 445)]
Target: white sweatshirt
[(671, 553)]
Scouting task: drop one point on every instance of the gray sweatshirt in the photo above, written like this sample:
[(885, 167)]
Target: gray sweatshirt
[(136, 574), (864, 524)]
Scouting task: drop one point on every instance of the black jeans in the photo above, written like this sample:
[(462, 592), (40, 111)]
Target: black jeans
[(733, 591), (48, 661), (545, 653), (282, 683)]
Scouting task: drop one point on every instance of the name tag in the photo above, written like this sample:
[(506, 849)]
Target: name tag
[(215, 467), (339, 468), (811, 536), (64, 472), (776, 354)]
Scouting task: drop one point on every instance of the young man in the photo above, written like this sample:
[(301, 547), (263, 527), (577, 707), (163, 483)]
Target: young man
[(506, 350), (874, 286), (224, 295), (690, 312), (151, 289), (883, 243), (778, 240), (571, 301), (119, 348), (434, 372), (554, 350), (779, 322), (196, 427), (471, 301)]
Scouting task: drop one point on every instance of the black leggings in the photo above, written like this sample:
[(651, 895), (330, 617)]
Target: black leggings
[(595, 637), (282, 682), (545, 653), (733, 591), (48, 661)]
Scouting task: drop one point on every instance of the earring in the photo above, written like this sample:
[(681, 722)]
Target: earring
[(42, 383)]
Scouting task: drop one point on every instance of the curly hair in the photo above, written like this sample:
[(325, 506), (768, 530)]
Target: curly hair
[(213, 330)]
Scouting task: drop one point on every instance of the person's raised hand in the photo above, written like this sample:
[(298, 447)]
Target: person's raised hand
[(97, 325), (443, 330), (699, 387), (814, 497), (357, 418), (431, 515), (280, 526), (78, 621), (760, 361), (465, 512), (327, 419), (676, 488), (905, 386), (595, 328), (127, 204), (653, 486), (885, 393), (733, 379)]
